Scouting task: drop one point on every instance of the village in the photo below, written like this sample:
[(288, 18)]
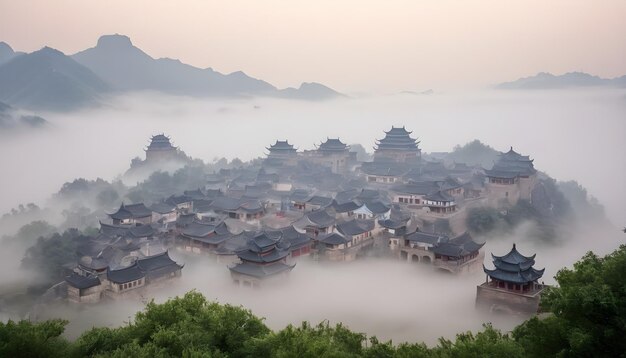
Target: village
[(321, 205)]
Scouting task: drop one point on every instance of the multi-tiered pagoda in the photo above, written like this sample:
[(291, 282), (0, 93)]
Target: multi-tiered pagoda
[(263, 258), (513, 285), (512, 178), (160, 148), (281, 153), (397, 146)]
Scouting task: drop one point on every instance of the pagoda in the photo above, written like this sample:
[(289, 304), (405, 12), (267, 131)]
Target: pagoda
[(160, 148), (397, 146), (280, 154), (263, 258), (513, 285), (334, 154), (511, 178)]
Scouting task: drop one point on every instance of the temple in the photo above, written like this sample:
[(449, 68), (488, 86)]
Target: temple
[(263, 258), (512, 286), (397, 146), (131, 214), (280, 154), (160, 149), (512, 178), (334, 154)]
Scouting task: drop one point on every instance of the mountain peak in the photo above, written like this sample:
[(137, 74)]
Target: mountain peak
[(116, 41), (5, 47)]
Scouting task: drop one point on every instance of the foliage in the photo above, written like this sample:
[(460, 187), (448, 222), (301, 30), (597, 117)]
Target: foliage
[(583, 204), (482, 220), (27, 339), (29, 233), (49, 254), (474, 153), (589, 308)]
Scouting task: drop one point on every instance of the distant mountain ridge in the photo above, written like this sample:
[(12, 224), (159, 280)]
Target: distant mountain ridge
[(544, 80), (48, 79)]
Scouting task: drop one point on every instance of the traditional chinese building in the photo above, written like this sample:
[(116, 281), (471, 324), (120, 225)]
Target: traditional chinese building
[(398, 146), (262, 259), (281, 154), (512, 178), (513, 285), (334, 154), (160, 149), (132, 214)]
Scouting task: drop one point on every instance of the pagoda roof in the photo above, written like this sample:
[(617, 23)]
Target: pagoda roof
[(261, 271), (510, 165), (281, 145), (397, 138), (514, 257), (333, 145), (160, 142), (82, 282), (127, 274), (514, 267), (158, 265)]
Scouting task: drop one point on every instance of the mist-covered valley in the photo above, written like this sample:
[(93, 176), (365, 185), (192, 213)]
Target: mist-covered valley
[(574, 135)]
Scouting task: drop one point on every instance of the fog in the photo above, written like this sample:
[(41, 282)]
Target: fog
[(576, 135), (571, 135), (383, 297)]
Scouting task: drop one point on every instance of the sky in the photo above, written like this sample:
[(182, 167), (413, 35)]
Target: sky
[(354, 46)]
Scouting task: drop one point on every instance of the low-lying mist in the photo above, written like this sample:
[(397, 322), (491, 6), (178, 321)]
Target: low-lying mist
[(571, 135), (384, 297)]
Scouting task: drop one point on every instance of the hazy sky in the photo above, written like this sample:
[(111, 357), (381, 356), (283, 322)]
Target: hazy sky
[(351, 45)]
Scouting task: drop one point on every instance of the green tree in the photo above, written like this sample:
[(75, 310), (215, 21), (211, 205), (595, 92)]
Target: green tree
[(28, 339), (589, 308)]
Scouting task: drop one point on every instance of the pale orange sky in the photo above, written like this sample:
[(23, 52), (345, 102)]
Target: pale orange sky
[(350, 45)]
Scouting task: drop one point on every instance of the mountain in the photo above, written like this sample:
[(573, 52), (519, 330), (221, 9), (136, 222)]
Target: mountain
[(310, 91), (7, 53), (11, 118), (127, 68), (545, 80), (48, 79)]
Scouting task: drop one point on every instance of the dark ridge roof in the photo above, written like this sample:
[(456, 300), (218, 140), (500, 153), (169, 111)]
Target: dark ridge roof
[(261, 271), (82, 282), (198, 229), (346, 195), (450, 183), (160, 142), (426, 238), (185, 219), (439, 196), (131, 211), (417, 188), (345, 207), (391, 169), (162, 207), (262, 242), (355, 227), (376, 207), (127, 274), (514, 257), (520, 277), (179, 199), (281, 146), (226, 203), (397, 139), (251, 206), (333, 238), (299, 195), (510, 165), (333, 145), (461, 245), (320, 200), (393, 224), (295, 238), (158, 265), (195, 194), (321, 218), (141, 231)]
